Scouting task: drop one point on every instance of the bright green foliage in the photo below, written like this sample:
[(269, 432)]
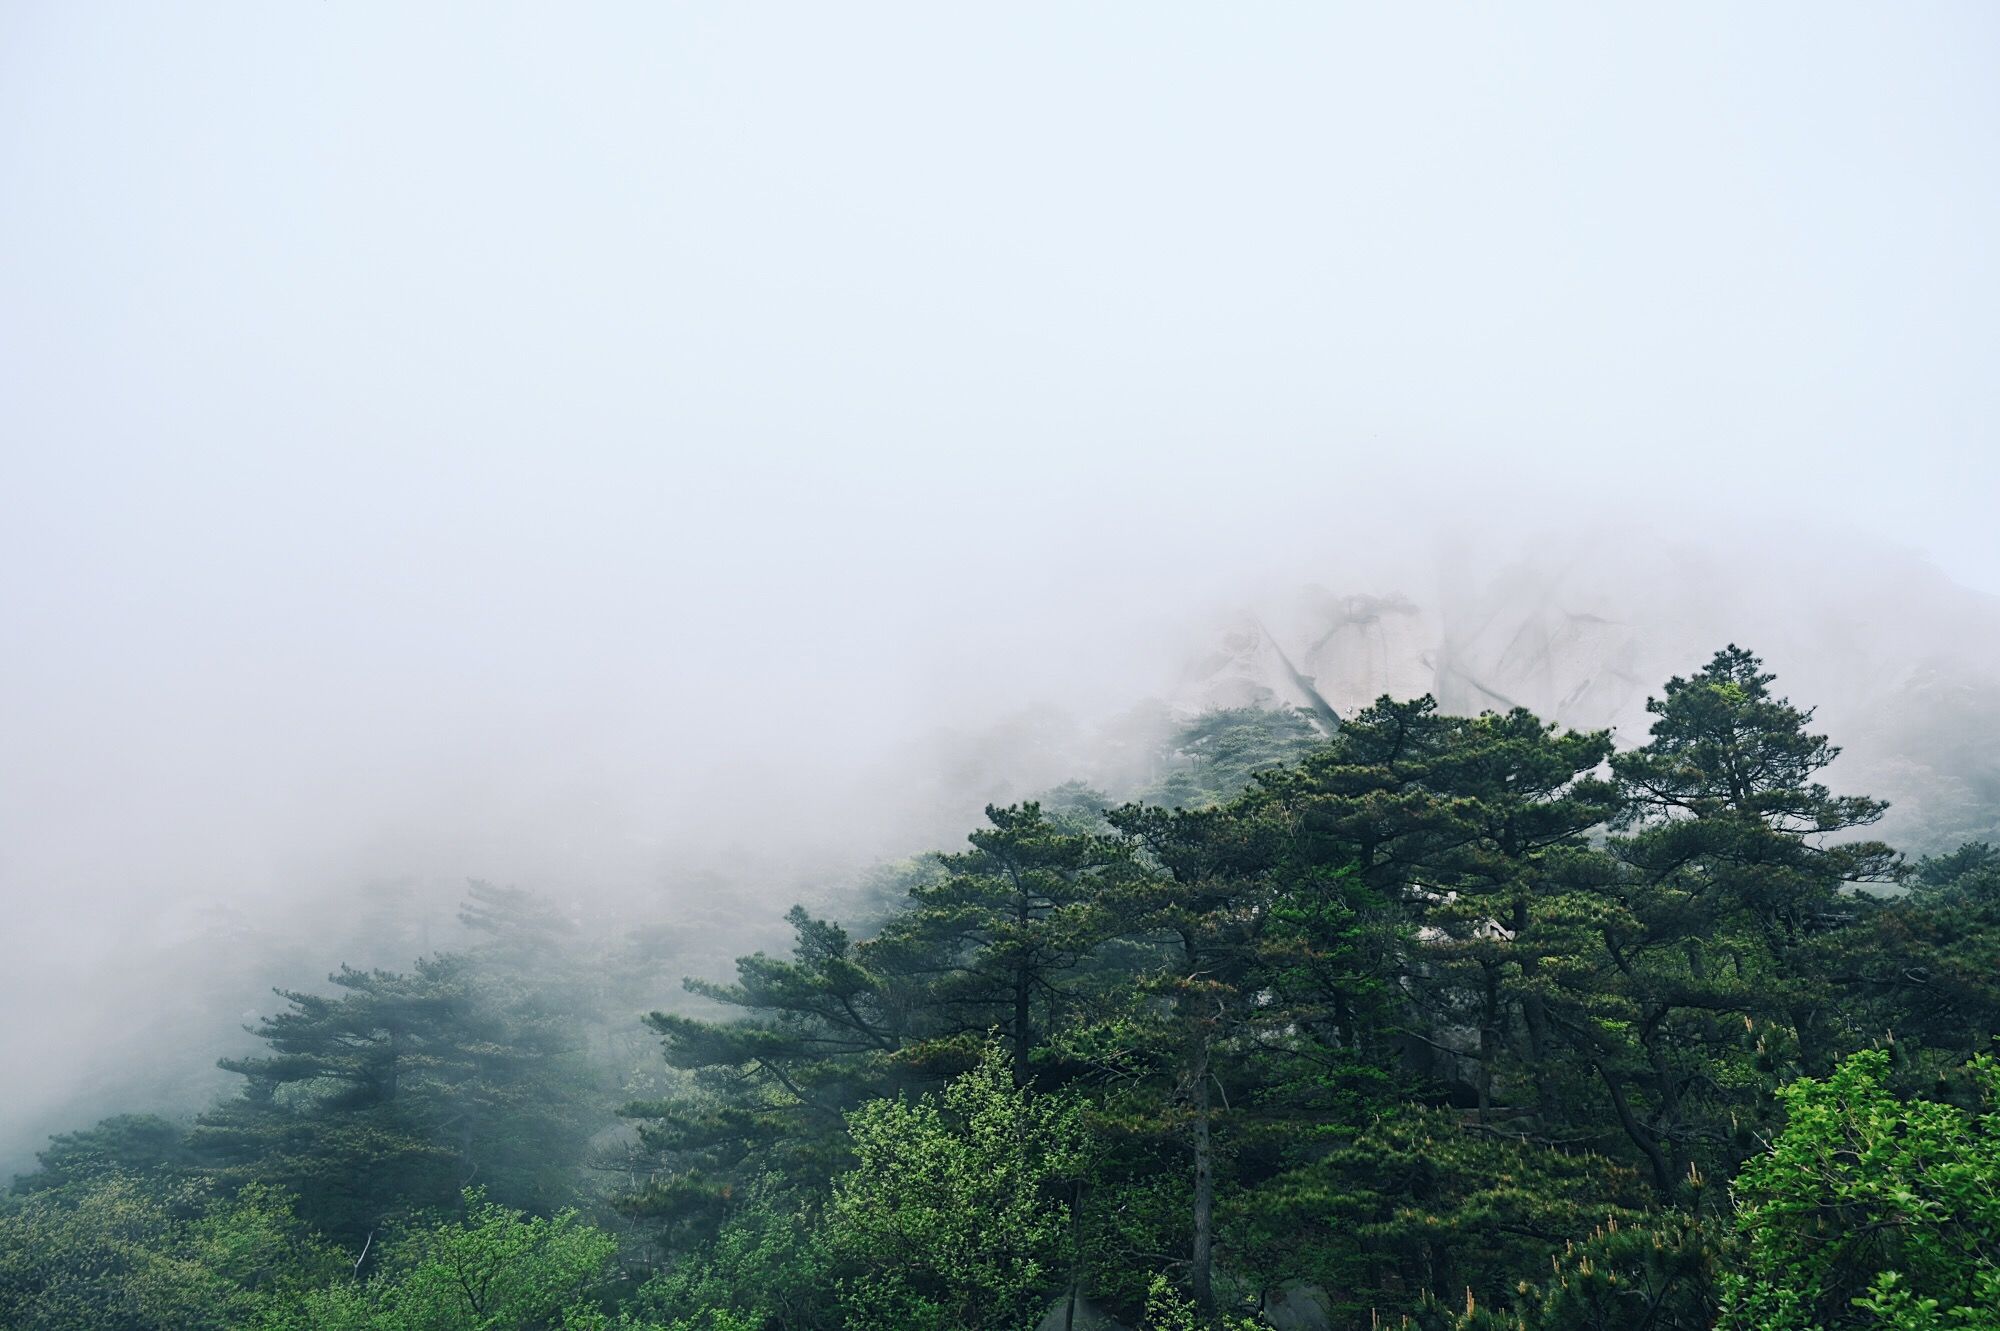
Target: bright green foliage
[(1871, 1210), (956, 1215), (116, 1254), (495, 1270), (765, 1270), (1168, 1310)]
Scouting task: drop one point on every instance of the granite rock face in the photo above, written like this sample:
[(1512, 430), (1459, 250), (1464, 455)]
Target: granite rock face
[(1297, 1306), (1902, 666), (1371, 645)]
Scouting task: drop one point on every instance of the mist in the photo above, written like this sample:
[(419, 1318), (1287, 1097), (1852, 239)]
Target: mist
[(676, 459)]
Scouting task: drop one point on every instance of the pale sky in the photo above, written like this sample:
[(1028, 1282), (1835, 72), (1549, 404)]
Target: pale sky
[(437, 420)]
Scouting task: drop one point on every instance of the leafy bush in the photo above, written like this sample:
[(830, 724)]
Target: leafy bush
[(1871, 1210)]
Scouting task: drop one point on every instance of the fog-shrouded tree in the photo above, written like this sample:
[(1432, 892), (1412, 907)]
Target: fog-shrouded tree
[(990, 939), (786, 1051), (1925, 968), (1214, 756), (1455, 1023), (398, 1090), (136, 1146)]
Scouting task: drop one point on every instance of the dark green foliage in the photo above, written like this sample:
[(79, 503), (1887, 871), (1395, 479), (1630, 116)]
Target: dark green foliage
[(1473, 832), (992, 940), (1417, 1202), (820, 1033), (126, 1144), (1710, 984), (996, 939), (1970, 873), (1198, 1006), (1925, 971), (1662, 1274)]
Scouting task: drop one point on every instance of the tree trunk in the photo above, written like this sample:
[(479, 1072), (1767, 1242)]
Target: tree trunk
[(1489, 1041), (1805, 1029), (1075, 1255), (1535, 1017), (1669, 1096), (1023, 990), (1202, 1265), (1663, 1176)]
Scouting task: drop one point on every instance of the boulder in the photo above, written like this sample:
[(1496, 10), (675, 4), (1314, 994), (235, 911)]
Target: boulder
[(1089, 1317), (1297, 1306)]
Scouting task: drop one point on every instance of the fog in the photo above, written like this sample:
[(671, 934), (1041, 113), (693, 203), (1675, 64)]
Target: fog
[(651, 453)]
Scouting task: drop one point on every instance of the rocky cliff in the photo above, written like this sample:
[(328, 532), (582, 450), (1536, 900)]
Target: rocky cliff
[(1903, 666)]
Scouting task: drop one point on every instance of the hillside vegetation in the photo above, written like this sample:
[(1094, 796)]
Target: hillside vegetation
[(1404, 1018)]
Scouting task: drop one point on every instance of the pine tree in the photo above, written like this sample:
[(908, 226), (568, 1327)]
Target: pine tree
[(1713, 972), (996, 941), (393, 1094)]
